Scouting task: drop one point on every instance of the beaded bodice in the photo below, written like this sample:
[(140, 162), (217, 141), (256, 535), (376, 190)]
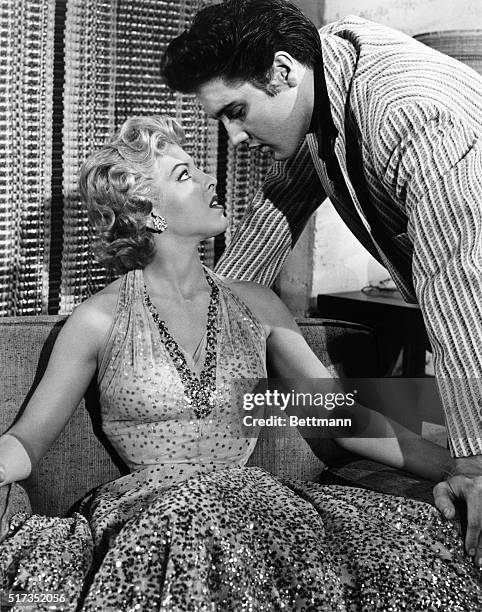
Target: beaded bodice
[(147, 414)]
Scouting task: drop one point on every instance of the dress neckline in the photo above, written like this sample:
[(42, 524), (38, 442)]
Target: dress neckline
[(199, 390)]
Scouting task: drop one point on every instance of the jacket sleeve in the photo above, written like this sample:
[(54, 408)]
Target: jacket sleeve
[(289, 195), (435, 171)]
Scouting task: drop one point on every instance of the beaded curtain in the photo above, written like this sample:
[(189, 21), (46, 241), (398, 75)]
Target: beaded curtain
[(245, 171), (26, 55), (113, 55), (76, 69)]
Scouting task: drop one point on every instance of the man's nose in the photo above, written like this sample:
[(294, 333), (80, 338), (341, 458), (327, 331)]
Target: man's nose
[(235, 134)]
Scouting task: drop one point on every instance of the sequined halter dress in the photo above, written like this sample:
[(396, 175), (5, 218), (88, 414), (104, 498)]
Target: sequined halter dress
[(192, 529), (145, 414)]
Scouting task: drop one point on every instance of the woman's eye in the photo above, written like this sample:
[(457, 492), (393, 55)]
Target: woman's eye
[(184, 175)]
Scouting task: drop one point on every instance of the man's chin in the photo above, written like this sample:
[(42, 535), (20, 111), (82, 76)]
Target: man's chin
[(283, 154), (280, 155)]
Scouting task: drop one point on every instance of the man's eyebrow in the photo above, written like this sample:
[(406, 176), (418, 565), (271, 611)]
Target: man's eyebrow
[(224, 110)]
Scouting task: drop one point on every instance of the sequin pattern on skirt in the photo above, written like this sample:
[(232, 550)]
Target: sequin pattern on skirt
[(241, 539)]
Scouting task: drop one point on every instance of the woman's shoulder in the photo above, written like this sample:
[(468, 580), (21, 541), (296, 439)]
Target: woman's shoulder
[(249, 289), (105, 299), (262, 300), (96, 313)]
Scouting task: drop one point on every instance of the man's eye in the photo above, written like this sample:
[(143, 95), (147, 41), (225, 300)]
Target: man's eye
[(184, 176), (237, 113)]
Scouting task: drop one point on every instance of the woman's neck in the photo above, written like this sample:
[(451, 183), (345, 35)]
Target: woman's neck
[(180, 275)]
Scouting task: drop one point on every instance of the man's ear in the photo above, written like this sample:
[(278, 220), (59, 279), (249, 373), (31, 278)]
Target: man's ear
[(286, 70)]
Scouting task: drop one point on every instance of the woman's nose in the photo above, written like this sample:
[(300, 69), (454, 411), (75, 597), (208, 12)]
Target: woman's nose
[(209, 181)]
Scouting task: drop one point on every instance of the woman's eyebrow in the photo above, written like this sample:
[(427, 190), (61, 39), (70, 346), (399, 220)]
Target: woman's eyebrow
[(185, 163)]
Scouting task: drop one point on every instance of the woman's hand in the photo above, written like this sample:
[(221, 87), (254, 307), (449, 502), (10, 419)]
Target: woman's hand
[(16, 462), (13, 499)]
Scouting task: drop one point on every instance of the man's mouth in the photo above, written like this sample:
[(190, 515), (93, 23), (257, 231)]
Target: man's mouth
[(264, 148)]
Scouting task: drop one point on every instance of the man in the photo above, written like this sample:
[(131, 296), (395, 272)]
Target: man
[(390, 131)]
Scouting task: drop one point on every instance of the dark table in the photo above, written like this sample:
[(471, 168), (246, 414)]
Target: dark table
[(396, 323)]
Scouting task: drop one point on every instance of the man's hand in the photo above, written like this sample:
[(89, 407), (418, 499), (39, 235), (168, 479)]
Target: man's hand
[(464, 483)]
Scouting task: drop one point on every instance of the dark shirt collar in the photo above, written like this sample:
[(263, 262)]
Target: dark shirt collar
[(321, 120), (316, 110)]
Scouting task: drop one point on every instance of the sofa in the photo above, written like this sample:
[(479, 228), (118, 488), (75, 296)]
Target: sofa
[(82, 458)]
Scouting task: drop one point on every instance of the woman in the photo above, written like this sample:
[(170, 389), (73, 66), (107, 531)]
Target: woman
[(190, 528)]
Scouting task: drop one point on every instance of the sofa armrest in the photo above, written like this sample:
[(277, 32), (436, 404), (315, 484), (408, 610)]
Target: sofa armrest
[(348, 350)]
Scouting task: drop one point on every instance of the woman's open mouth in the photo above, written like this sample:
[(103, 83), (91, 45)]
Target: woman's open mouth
[(215, 204)]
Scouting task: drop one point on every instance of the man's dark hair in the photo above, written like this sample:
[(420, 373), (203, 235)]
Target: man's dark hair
[(236, 41)]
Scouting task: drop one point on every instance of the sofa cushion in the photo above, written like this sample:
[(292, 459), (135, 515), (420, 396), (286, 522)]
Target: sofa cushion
[(378, 477)]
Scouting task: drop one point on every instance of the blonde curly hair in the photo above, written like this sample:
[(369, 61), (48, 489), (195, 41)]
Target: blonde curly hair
[(115, 183)]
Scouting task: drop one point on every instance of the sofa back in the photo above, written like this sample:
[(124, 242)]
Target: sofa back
[(81, 458)]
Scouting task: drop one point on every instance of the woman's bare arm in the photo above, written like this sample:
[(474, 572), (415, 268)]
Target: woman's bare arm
[(72, 365), (386, 440)]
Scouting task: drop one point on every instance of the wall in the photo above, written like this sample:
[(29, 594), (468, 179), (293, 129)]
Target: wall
[(327, 257)]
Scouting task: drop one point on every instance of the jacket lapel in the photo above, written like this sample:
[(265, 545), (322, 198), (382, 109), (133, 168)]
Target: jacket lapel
[(340, 152), (327, 145), (336, 189)]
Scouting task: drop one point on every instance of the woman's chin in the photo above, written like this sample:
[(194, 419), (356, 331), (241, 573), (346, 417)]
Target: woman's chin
[(219, 228)]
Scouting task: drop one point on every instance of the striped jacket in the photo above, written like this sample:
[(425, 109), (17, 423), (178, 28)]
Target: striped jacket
[(418, 123)]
